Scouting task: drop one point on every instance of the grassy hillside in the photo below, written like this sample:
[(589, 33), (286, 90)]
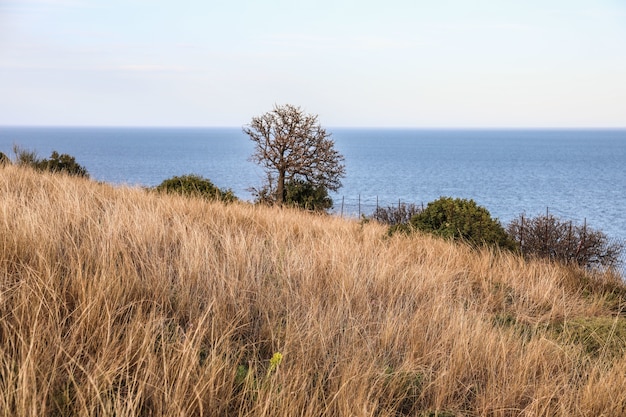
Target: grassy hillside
[(119, 302)]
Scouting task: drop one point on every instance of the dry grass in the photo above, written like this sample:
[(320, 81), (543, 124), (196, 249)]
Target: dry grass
[(117, 302)]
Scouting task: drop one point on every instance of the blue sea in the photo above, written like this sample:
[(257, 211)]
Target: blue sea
[(576, 174)]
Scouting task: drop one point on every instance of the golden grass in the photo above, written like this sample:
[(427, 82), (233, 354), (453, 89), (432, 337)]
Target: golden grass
[(119, 302)]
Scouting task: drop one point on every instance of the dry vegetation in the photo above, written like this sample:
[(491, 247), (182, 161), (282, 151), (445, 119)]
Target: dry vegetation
[(118, 302)]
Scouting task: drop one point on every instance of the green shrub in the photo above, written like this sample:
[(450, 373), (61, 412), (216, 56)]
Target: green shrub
[(463, 220), (63, 163), (195, 186), (298, 193), (4, 160), (307, 196), (56, 163)]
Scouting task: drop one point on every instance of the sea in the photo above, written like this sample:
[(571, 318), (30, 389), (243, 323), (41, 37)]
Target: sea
[(577, 175)]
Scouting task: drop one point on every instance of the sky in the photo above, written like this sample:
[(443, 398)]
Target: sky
[(355, 63)]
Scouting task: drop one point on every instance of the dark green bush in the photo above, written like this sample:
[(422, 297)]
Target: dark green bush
[(546, 236), (4, 160), (56, 163), (463, 220), (195, 186), (298, 193), (62, 163), (306, 196)]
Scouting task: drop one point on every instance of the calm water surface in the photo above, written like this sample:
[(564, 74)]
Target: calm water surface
[(578, 174)]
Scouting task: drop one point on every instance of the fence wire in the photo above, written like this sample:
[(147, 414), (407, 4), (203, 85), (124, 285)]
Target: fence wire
[(356, 207)]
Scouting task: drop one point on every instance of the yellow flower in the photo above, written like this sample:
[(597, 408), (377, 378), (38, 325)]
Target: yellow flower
[(277, 358)]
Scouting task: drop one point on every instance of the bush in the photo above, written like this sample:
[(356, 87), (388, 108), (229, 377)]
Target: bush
[(195, 186), (298, 193), (307, 196), (63, 163), (25, 157), (393, 215), (56, 163), (546, 236), (464, 220), (4, 160)]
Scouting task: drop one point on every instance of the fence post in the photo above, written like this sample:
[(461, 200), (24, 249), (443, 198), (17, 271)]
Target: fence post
[(521, 235), (359, 206), (545, 235), (342, 201), (584, 241), (570, 251)]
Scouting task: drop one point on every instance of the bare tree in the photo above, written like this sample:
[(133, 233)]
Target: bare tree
[(392, 215), (546, 236), (292, 146)]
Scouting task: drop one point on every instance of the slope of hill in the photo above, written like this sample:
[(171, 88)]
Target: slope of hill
[(120, 302)]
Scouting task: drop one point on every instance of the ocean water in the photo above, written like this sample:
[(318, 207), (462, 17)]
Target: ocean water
[(577, 174)]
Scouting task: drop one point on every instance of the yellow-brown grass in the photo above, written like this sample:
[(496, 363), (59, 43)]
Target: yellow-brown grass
[(119, 302)]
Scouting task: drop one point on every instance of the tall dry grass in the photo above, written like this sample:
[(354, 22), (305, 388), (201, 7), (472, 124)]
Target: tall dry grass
[(119, 302)]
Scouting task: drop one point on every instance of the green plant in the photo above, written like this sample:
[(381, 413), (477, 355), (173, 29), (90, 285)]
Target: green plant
[(4, 160), (275, 361), (195, 186), (464, 220), (56, 163), (62, 163), (241, 374), (306, 195)]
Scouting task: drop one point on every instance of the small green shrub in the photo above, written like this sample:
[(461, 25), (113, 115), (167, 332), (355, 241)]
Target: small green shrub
[(195, 186), (4, 160), (306, 196), (56, 163), (463, 220), (63, 163)]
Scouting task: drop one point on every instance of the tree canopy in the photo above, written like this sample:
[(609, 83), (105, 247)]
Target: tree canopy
[(291, 145)]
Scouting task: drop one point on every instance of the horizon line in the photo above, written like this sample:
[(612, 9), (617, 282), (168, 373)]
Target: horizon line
[(356, 127)]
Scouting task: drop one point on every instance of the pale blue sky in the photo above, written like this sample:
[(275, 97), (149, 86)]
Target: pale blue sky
[(444, 63)]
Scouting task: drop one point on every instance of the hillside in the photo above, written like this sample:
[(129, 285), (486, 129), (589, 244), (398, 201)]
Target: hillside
[(119, 302)]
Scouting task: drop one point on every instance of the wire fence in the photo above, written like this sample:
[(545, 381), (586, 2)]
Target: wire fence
[(362, 205), (546, 236)]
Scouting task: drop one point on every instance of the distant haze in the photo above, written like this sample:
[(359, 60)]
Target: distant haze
[(398, 63)]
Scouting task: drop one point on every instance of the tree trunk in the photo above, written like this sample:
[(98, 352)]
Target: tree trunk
[(280, 188)]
